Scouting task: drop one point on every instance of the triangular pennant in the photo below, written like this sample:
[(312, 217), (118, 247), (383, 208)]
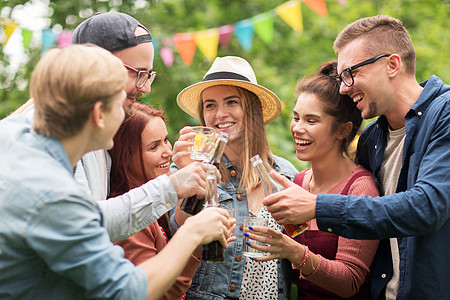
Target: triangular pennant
[(49, 39), (27, 34), (65, 39), (225, 33), (263, 24), (290, 12), (208, 41), (244, 32), (318, 6), (156, 44), (185, 44), (167, 57), (342, 1), (9, 26)]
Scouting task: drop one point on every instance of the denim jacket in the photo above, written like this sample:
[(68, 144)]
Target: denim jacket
[(223, 280), (52, 241), (418, 213)]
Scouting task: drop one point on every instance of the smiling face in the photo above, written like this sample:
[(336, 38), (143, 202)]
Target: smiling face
[(370, 88), (156, 150), (313, 130), (222, 110), (139, 57)]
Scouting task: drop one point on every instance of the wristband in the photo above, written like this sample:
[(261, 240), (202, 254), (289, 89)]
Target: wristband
[(305, 258)]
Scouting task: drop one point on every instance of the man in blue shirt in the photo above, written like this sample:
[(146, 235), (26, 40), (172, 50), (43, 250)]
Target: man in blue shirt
[(406, 148), (53, 243), (131, 212)]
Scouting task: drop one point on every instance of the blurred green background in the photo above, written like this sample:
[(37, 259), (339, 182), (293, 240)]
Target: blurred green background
[(277, 66)]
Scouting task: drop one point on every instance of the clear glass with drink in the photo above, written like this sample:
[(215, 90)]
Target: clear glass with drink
[(247, 249), (204, 143)]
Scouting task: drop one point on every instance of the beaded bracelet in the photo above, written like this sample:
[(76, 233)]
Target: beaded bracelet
[(305, 258)]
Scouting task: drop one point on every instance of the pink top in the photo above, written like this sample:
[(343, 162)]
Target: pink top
[(345, 274), (146, 244)]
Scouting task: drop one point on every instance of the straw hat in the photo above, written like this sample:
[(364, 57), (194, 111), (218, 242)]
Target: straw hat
[(235, 71)]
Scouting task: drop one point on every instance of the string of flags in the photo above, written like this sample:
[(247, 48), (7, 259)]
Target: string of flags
[(207, 41)]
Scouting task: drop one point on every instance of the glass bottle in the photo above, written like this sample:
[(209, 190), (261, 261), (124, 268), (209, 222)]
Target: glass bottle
[(212, 252), (193, 205), (272, 186)]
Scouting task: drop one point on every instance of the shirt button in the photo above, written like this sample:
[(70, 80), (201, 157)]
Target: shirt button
[(329, 229), (233, 173), (168, 205), (375, 146), (239, 196), (241, 227), (232, 287), (383, 275), (419, 113), (238, 258)]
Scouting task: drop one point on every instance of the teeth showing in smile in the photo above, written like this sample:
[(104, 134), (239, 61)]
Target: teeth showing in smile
[(164, 165), (225, 125), (357, 98), (301, 142)]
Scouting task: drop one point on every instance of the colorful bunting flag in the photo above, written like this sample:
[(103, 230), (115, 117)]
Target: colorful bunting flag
[(263, 24), (225, 33), (9, 26), (185, 44), (49, 39), (318, 6), (290, 12), (167, 57), (26, 37), (208, 42), (244, 32), (64, 39)]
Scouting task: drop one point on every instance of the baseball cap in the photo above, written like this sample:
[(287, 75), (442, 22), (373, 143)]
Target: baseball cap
[(112, 31)]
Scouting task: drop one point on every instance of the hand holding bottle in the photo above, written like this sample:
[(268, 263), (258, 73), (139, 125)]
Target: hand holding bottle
[(271, 186), (293, 205)]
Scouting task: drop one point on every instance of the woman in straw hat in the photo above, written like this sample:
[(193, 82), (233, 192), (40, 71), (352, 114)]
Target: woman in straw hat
[(230, 100)]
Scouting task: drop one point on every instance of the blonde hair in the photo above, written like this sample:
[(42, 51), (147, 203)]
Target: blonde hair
[(384, 35), (253, 140), (66, 83)]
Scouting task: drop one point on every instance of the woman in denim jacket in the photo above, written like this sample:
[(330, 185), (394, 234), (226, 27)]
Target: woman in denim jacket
[(230, 100)]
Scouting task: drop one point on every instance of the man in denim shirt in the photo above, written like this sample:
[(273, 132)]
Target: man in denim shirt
[(407, 149), (131, 212), (53, 244)]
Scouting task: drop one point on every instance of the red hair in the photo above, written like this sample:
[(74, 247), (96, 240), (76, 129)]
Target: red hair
[(128, 149)]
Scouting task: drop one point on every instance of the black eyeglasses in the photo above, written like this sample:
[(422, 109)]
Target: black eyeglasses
[(142, 76), (346, 75)]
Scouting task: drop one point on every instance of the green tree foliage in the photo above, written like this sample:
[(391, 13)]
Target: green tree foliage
[(277, 66)]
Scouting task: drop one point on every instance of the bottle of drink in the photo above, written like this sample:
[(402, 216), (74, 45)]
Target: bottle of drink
[(271, 186), (193, 205), (212, 252)]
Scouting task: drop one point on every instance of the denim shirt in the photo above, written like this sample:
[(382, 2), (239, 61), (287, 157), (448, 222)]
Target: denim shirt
[(223, 280), (52, 241), (125, 214), (418, 213)]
